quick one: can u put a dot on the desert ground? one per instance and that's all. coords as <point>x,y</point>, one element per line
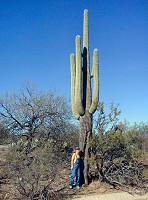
<point>113,196</point>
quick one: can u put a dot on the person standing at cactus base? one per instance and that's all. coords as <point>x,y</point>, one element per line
<point>75,168</point>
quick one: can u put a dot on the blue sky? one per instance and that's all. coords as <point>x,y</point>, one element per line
<point>37,37</point>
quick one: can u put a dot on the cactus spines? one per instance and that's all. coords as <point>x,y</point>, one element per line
<point>83,105</point>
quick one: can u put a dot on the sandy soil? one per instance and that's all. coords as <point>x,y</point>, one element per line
<point>113,196</point>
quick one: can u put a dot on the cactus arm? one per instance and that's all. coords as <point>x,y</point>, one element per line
<point>78,81</point>
<point>95,73</point>
<point>86,63</point>
<point>85,30</point>
<point>73,76</point>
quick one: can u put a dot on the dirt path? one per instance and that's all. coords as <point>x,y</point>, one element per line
<point>113,196</point>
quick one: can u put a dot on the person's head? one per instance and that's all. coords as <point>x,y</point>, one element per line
<point>77,150</point>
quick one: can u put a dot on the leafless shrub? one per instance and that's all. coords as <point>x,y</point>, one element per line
<point>34,170</point>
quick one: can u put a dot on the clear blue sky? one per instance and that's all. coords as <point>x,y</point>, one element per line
<point>37,37</point>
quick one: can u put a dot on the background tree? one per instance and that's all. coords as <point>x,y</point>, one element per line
<point>35,161</point>
<point>30,112</point>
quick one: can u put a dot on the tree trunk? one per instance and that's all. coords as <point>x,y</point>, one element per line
<point>84,137</point>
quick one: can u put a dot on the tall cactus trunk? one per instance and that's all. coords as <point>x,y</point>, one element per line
<point>85,130</point>
<point>84,137</point>
<point>83,106</point>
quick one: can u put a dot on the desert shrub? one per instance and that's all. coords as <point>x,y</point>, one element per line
<point>4,135</point>
<point>33,170</point>
<point>116,152</point>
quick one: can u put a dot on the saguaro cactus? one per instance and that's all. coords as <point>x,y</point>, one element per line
<point>83,105</point>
